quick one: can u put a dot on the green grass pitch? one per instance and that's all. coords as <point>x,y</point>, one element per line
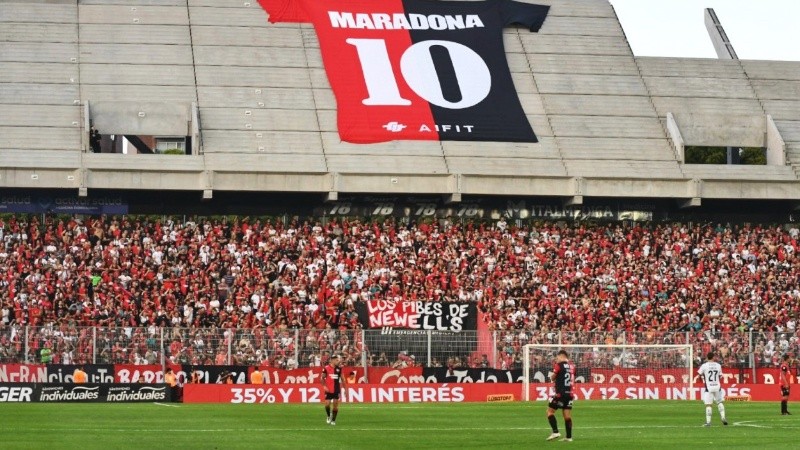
<point>600,424</point>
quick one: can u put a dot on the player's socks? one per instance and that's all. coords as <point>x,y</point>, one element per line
<point>553,423</point>
<point>568,426</point>
<point>721,408</point>
<point>328,411</point>
<point>335,413</point>
<point>784,406</point>
<point>708,414</point>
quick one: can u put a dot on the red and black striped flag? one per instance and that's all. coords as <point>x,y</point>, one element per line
<point>418,69</point>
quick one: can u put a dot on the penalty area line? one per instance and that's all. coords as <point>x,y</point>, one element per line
<point>749,423</point>
<point>166,404</point>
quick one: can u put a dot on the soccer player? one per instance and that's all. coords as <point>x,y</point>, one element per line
<point>332,384</point>
<point>785,386</point>
<point>711,372</point>
<point>563,375</point>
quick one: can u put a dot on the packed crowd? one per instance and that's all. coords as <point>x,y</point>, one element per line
<point>272,277</point>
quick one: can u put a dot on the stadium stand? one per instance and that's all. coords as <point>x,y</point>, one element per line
<point>254,100</point>
<point>594,281</point>
<point>262,115</point>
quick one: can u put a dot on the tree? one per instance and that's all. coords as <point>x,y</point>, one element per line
<point>705,155</point>
<point>748,156</point>
<point>753,156</point>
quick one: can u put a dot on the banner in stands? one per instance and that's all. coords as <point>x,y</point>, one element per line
<point>416,69</point>
<point>591,391</point>
<point>486,208</point>
<point>419,316</point>
<point>767,375</point>
<point>445,375</point>
<point>81,393</point>
<point>129,373</point>
<point>40,373</point>
<point>391,375</point>
<point>62,205</point>
<point>458,393</point>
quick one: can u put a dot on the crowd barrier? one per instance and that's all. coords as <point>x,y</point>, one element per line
<point>386,346</point>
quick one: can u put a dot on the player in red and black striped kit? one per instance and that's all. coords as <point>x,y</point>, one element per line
<point>563,376</point>
<point>332,383</point>
<point>785,386</point>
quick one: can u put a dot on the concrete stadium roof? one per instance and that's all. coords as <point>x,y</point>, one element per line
<point>256,99</point>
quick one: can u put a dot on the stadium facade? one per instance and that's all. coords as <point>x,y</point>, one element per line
<point>253,105</point>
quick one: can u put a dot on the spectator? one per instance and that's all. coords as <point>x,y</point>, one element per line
<point>223,278</point>
<point>94,140</point>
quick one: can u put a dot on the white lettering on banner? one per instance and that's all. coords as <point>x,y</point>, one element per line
<point>144,394</point>
<point>472,74</point>
<point>659,392</point>
<point>150,376</point>
<point>22,374</point>
<point>393,314</point>
<point>406,394</point>
<point>417,315</point>
<point>648,378</point>
<point>274,377</point>
<point>395,376</point>
<point>417,67</point>
<point>382,21</point>
<point>98,375</point>
<point>357,394</point>
<point>58,394</point>
<point>15,394</point>
<point>446,129</point>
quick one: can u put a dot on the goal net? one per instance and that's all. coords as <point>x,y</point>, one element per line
<point>612,369</point>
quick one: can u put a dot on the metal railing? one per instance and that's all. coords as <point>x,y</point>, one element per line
<point>294,348</point>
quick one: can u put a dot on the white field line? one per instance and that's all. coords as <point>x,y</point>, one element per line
<point>340,427</point>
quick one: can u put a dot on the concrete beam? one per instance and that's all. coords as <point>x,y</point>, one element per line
<point>452,198</point>
<point>576,200</point>
<point>332,196</point>
<point>208,194</point>
<point>689,203</point>
<point>776,146</point>
<point>719,38</point>
<point>675,136</point>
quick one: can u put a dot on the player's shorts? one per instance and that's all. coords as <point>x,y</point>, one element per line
<point>332,395</point>
<point>784,391</point>
<point>710,397</point>
<point>561,401</point>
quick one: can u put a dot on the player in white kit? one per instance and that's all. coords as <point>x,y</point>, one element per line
<point>711,373</point>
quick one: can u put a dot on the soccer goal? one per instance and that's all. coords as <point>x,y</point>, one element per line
<point>665,365</point>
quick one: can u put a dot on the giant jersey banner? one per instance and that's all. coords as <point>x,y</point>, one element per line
<point>418,69</point>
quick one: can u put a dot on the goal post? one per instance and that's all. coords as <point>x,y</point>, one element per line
<point>617,363</point>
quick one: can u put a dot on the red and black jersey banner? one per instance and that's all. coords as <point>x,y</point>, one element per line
<point>420,316</point>
<point>418,69</point>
